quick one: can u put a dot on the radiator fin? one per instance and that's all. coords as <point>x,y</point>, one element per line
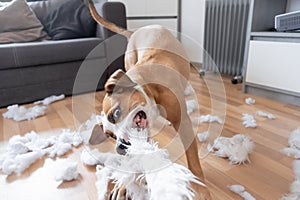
<point>225,35</point>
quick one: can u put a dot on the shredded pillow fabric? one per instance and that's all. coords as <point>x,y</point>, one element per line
<point>18,23</point>
<point>145,171</point>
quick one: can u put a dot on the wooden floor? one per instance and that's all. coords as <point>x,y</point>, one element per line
<point>267,177</point>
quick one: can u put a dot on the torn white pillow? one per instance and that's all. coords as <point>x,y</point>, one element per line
<point>236,149</point>
<point>20,113</point>
<point>145,163</point>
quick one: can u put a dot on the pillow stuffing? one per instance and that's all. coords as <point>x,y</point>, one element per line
<point>18,23</point>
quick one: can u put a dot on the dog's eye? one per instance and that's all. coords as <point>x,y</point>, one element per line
<point>114,115</point>
<point>117,113</point>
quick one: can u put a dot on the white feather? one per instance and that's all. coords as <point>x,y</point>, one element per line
<point>145,171</point>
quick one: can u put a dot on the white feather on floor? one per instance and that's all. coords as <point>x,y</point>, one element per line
<point>20,113</point>
<point>236,148</point>
<point>240,190</point>
<point>50,99</point>
<point>146,172</point>
<point>209,118</point>
<point>264,114</point>
<point>250,101</point>
<point>249,121</point>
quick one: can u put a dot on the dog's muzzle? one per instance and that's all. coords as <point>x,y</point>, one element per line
<point>122,146</point>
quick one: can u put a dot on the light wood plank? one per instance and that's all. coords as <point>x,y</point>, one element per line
<point>267,176</point>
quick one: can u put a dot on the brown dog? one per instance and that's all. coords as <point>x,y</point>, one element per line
<point>153,86</point>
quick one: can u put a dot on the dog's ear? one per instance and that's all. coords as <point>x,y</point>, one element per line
<point>117,81</point>
<point>98,136</point>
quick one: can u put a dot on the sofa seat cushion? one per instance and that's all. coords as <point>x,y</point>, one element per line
<point>49,52</point>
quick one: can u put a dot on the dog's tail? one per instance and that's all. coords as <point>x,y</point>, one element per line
<point>110,26</point>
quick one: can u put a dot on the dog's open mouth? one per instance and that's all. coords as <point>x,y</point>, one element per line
<point>140,121</point>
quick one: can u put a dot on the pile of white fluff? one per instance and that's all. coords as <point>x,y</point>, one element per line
<point>295,187</point>
<point>50,99</point>
<point>236,149</point>
<point>294,143</point>
<point>249,121</point>
<point>264,114</point>
<point>22,151</point>
<point>240,190</point>
<point>250,101</point>
<point>20,113</point>
<point>145,171</point>
<point>67,171</point>
<point>209,118</point>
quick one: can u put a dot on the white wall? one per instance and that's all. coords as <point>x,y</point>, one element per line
<point>192,28</point>
<point>293,5</point>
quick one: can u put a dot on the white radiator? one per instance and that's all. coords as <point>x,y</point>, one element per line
<point>226,23</point>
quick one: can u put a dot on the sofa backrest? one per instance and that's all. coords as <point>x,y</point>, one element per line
<point>67,19</point>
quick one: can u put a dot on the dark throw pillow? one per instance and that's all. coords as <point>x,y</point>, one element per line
<point>65,19</point>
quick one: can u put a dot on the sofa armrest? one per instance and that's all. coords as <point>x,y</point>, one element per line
<point>114,12</point>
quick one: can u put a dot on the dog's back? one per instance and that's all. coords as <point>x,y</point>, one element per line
<point>155,44</point>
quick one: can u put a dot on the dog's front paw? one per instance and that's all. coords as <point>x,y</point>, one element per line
<point>118,193</point>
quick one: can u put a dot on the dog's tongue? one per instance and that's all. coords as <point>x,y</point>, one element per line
<point>140,120</point>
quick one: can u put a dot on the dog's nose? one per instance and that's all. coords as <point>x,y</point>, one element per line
<point>122,146</point>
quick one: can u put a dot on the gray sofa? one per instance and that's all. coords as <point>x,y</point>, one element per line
<point>34,70</point>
